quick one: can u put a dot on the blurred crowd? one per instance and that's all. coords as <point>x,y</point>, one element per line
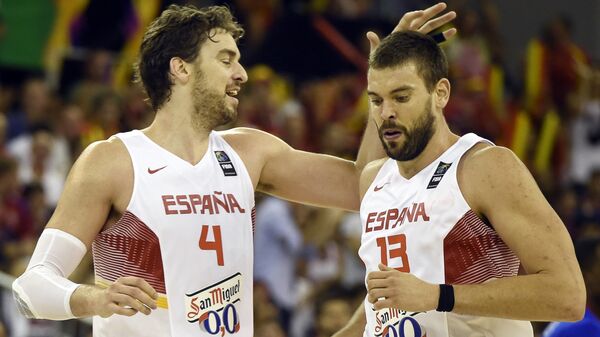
<point>65,82</point>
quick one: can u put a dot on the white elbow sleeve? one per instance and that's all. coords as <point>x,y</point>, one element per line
<point>44,291</point>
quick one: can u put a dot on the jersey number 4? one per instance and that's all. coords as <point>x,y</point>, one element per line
<point>391,247</point>
<point>216,244</point>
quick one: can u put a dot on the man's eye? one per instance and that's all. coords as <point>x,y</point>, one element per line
<point>376,102</point>
<point>402,99</point>
<point>227,62</point>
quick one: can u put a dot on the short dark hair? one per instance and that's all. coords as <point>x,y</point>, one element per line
<point>402,47</point>
<point>179,31</point>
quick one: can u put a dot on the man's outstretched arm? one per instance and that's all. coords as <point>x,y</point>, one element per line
<point>324,180</point>
<point>44,291</point>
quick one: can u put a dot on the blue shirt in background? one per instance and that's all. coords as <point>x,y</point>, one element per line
<point>589,326</point>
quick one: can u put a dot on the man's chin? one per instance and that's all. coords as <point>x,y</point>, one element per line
<point>229,116</point>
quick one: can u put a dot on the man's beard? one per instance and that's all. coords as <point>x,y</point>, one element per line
<point>415,140</point>
<point>210,109</point>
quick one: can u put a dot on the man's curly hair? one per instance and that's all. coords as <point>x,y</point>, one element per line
<point>179,31</point>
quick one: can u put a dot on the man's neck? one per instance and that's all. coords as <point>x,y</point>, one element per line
<point>441,141</point>
<point>173,130</point>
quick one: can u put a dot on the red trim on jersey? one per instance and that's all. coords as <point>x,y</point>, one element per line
<point>129,248</point>
<point>474,253</point>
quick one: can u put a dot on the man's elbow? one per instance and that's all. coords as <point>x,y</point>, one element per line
<point>574,302</point>
<point>574,312</point>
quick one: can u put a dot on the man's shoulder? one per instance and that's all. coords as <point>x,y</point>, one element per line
<point>369,173</point>
<point>484,172</point>
<point>106,157</point>
<point>256,142</point>
<point>104,149</point>
<point>486,159</point>
<point>373,167</point>
<point>244,135</point>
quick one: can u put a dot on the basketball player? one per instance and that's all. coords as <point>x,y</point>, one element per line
<point>448,220</point>
<point>168,210</point>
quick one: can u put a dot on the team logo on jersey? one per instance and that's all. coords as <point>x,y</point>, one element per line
<point>152,171</point>
<point>394,322</point>
<point>438,174</point>
<point>226,164</point>
<point>213,307</point>
<point>378,188</point>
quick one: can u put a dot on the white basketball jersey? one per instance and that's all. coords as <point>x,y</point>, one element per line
<point>188,231</point>
<point>424,226</point>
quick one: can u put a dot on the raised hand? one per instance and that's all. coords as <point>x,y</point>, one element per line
<point>423,21</point>
<point>389,288</point>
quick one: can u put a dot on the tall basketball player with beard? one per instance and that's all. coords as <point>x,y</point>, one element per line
<point>168,210</point>
<point>447,220</point>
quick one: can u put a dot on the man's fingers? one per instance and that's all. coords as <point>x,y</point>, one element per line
<point>434,10</point>
<point>376,275</point>
<point>383,267</point>
<point>127,301</point>
<point>426,15</point>
<point>379,294</point>
<point>373,40</point>
<point>140,283</point>
<point>435,23</point>
<point>119,310</point>
<point>376,283</point>
<point>139,295</point>
<point>381,304</point>
<point>406,21</point>
<point>450,33</point>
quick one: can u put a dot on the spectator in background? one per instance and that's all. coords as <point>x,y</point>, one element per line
<point>7,94</point>
<point>104,117</point>
<point>15,221</point>
<point>551,73</point>
<point>34,107</point>
<point>349,236</point>
<point>477,72</point>
<point>277,245</point>
<point>265,312</point>
<point>551,82</point>
<point>585,130</point>
<point>71,126</point>
<point>43,157</point>
<point>333,311</point>
<point>566,205</point>
<point>37,207</point>
<point>3,131</point>
<point>97,70</point>
<point>270,328</point>
<point>291,125</point>
<point>588,217</point>
<point>137,114</point>
<point>588,255</point>
<point>320,267</point>
<point>261,99</point>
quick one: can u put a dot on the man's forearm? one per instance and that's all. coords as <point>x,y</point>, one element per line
<point>535,297</point>
<point>356,325</point>
<point>370,147</point>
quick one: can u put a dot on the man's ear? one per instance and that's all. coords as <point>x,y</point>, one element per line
<point>179,70</point>
<point>442,93</point>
